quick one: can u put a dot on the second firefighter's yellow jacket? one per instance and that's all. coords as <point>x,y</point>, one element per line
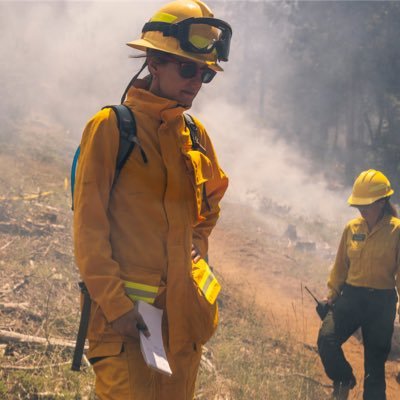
<point>368,258</point>
<point>133,240</point>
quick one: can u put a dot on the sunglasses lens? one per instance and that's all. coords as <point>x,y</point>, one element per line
<point>207,75</point>
<point>188,70</point>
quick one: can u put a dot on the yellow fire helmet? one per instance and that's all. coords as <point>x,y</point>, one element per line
<point>187,28</point>
<point>369,187</point>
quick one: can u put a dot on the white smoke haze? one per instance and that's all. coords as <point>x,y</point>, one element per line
<point>68,59</point>
<point>262,168</point>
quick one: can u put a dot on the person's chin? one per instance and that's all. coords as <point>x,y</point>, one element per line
<point>186,99</point>
<point>186,104</point>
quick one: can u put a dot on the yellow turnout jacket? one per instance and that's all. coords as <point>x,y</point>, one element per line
<point>133,240</point>
<point>368,258</point>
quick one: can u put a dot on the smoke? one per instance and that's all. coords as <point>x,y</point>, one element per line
<point>66,60</point>
<point>267,172</point>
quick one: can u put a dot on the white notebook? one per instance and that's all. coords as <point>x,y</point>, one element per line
<point>152,347</point>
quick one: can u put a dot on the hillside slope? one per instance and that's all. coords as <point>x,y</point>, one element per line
<point>265,346</point>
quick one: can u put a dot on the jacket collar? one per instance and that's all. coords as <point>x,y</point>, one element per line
<point>157,107</point>
<point>380,224</point>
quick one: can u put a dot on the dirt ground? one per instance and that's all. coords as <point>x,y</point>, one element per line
<point>248,251</point>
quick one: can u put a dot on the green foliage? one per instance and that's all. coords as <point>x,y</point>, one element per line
<point>325,74</point>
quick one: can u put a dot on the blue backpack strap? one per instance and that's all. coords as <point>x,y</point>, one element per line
<point>73,173</point>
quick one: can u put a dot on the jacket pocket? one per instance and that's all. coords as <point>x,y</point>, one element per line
<point>201,166</point>
<point>204,315</point>
<point>98,326</point>
<point>100,350</point>
<point>354,253</point>
<point>141,284</point>
<point>201,171</point>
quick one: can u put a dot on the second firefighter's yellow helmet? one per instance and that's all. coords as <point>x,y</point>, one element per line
<point>187,28</point>
<point>370,186</point>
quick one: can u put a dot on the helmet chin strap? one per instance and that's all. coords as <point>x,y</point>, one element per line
<point>133,80</point>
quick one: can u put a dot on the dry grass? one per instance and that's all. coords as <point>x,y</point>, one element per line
<point>250,357</point>
<point>37,266</point>
<point>255,359</point>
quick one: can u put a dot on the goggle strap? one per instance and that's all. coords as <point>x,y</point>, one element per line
<point>166,28</point>
<point>170,29</point>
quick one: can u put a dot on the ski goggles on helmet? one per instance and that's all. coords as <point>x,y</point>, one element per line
<point>189,69</point>
<point>197,35</point>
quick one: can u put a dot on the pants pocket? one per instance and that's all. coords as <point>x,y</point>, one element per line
<point>112,376</point>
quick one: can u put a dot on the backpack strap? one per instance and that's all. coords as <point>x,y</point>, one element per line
<point>194,133</point>
<point>127,136</point>
<point>73,174</point>
<point>83,327</point>
<point>127,141</point>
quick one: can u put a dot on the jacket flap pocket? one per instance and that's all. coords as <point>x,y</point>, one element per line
<point>202,166</point>
<point>104,349</point>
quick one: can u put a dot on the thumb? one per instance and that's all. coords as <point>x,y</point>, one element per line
<point>141,326</point>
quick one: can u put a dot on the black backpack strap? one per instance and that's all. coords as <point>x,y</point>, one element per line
<point>127,141</point>
<point>194,133</point>
<point>82,331</point>
<point>196,145</point>
<point>127,136</point>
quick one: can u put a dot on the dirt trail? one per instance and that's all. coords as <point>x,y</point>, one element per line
<point>255,260</point>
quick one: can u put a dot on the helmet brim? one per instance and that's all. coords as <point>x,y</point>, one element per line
<point>365,201</point>
<point>143,45</point>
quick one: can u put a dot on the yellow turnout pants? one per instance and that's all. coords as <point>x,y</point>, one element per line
<point>125,376</point>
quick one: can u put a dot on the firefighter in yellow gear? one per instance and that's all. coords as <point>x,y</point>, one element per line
<point>362,287</point>
<point>145,236</point>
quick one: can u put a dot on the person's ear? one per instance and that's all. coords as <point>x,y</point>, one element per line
<point>152,66</point>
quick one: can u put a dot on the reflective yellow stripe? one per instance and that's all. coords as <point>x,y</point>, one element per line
<point>163,17</point>
<point>212,291</point>
<point>140,291</point>
<point>206,281</point>
<point>146,299</point>
<point>141,286</point>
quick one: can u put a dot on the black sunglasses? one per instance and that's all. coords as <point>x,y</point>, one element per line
<point>189,69</point>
